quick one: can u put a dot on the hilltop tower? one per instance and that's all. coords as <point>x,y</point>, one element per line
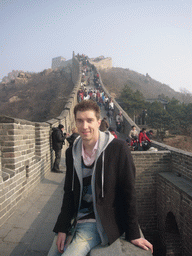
<point>57,62</point>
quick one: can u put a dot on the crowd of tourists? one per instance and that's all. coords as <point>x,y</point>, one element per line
<point>140,141</point>
<point>96,94</point>
<point>92,89</point>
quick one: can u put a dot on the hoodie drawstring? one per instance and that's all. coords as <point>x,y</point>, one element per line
<point>102,178</point>
<point>73,179</point>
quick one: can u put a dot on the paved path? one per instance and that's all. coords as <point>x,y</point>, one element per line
<point>29,230</point>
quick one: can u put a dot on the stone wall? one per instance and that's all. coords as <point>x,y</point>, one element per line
<point>174,196</point>
<point>181,160</point>
<point>157,196</point>
<point>26,153</point>
<point>148,165</point>
<point>105,63</point>
<point>25,158</point>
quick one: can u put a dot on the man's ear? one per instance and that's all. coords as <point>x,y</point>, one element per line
<point>99,122</point>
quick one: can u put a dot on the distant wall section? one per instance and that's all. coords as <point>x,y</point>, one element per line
<point>57,62</point>
<point>101,63</point>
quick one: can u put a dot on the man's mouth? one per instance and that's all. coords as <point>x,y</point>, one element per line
<point>85,133</point>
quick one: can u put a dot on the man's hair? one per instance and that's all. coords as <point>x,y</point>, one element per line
<point>60,126</point>
<point>133,126</point>
<point>85,105</point>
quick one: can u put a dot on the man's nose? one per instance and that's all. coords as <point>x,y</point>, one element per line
<point>85,125</point>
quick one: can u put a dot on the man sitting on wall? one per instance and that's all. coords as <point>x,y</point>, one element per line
<point>99,202</point>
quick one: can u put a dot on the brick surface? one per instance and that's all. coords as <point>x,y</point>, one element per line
<point>29,230</point>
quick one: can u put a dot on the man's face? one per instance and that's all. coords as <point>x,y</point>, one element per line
<point>88,125</point>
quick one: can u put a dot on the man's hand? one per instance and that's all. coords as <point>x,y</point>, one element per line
<point>61,242</point>
<point>143,243</point>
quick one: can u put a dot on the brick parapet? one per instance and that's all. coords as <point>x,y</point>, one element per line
<point>26,153</point>
<point>148,165</point>
<point>181,160</point>
<point>174,196</point>
<point>0,167</point>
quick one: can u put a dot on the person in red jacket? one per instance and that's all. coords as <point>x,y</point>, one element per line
<point>144,141</point>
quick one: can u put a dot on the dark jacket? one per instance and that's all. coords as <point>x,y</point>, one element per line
<point>72,138</point>
<point>104,125</point>
<point>117,208</point>
<point>58,139</point>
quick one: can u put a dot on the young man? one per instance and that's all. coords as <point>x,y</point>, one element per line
<point>99,189</point>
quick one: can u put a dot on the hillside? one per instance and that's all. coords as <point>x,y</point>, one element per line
<point>37,96</point>
<point>42,96</point>
<point>115,78</point>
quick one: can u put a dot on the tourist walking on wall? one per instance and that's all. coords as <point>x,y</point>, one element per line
<point>104,125</point>
<point>58,139</point>
<point>99,192</point>
<point>119,121</point>
<point>111,105</point>
<point>110,116</point>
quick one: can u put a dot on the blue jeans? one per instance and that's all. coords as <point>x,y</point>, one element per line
<point>86,237</point>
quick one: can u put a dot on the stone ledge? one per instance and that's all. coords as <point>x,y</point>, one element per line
<point>178,182</point>
<point>143,153</point>
<point>171,149</point>
<point>7,119</point>
<point>7,174</point>
<point>120,248</point>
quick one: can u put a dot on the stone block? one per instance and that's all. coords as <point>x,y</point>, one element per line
<point>121,248</point>
<point>5,176</point>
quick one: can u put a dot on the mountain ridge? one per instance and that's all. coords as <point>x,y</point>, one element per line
<point>116,78</point>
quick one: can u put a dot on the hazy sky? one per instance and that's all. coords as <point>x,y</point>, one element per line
<point>147,36</point>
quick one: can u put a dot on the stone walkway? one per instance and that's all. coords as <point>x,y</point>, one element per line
<point>29,230</point>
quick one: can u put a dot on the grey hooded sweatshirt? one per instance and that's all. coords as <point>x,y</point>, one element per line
<point>104,139</point>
